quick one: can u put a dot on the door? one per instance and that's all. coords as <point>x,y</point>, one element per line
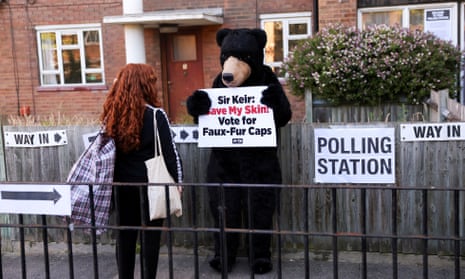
<point>184,72</point>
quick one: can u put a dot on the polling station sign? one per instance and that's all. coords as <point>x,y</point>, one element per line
<point>355,155</point>
<point>450,131</point>
<point>237,119</point>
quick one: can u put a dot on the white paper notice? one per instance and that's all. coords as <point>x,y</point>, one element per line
<point>439,23</point>
<point>237,119</point>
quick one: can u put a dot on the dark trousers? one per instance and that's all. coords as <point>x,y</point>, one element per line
<point>239,203</point>
<point>129,208</point>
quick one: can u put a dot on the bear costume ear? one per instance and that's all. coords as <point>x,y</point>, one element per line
<point>221,34</point>
<point>260,35</point>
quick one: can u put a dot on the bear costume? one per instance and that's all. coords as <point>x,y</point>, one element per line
<point>242,65</point>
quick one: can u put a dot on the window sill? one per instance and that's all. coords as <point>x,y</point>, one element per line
<point>71,88</point>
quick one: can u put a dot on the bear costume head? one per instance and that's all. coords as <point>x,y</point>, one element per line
<point>242,63</point>
<point>241,54</point>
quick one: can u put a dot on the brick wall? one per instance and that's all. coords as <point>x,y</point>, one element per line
<point>20,84</point>
<point>337,11</point>
<point>20,81</point>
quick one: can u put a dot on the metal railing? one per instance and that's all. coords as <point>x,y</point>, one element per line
<point>363,235</point>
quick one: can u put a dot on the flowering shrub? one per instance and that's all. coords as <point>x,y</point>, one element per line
<point>380,64</point>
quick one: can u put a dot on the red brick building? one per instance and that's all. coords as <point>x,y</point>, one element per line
<point>63,57</point>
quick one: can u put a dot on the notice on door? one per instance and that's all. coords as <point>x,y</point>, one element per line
<point>237,119</point>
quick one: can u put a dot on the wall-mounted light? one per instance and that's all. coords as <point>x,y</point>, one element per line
<point>168,28</point>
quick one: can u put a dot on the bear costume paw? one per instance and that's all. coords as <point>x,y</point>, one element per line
<point>271,96</point>
<point>198,103</point>
<point>215,263</point>
<point>262,266</point>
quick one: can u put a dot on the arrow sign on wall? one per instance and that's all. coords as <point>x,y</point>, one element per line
<point>35,199</point>
<point>39,196</point>
<point>185,134</point>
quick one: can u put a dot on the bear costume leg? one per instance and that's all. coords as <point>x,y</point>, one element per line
<point>236,206</point>
<point>263,204</point>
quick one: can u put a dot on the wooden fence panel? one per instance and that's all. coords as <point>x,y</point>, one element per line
<point>419,164</point>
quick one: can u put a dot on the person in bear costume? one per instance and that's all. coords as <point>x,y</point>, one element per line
<point>242,65</point>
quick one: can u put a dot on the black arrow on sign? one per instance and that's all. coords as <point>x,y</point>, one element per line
<point>184,134</point>
<point>57,137</point>
<point>43,196</point>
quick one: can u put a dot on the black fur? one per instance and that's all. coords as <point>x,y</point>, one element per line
<point>257,165</point>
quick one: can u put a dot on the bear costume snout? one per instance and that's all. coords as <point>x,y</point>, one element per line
<point>235,72</point>
<point>228,77</point>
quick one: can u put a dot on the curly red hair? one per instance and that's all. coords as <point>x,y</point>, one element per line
<point>123,110</point>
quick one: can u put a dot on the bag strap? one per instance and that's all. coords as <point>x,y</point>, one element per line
<point>157,142</point>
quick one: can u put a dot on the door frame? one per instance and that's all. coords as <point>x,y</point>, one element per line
<point>164,52</point>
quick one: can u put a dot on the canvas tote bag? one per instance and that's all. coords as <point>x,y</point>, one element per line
<point>158,173</point>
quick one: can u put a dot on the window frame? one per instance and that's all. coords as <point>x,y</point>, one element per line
<point>74,29</point>
<point>287,19</point>
<point>406,14</point>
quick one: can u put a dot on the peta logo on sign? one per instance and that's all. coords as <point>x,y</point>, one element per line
<point>36,139</point>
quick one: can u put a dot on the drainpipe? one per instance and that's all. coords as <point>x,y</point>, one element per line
<point>315,17</point>
<point>460,81</point>
<point>134,33</point>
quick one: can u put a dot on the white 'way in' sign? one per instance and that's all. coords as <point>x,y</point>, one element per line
<point>35,139</point>
<point>432,131</point>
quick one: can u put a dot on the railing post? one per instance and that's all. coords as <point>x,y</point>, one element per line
<point>334,223</point>
<point>394,232</point>
<point>363,209</point>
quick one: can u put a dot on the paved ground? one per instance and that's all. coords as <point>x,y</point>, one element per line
<point>321,266</point>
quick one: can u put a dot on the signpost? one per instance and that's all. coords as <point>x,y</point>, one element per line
<point>355,155</point>
<point>35,199</point>
<point>36,139</point>
<point>432,131</point>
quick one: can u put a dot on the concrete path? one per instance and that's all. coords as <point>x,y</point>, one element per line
<point>321,265</point>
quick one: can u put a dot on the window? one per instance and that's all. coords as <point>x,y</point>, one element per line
<point>70,55</point>
<point>283,33</point>
<point>184,48</point>
<point>439,19</point>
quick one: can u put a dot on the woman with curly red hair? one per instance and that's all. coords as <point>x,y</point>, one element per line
<point>128,119</point>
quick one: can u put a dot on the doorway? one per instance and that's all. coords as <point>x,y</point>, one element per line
<point>184,72</point>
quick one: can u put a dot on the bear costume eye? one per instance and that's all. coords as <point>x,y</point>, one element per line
<point>246,57</point>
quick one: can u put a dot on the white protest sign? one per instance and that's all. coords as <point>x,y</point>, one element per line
<point>237,119</point>
<point>36,139</point>
<point>432,131</point>
<point>355,155</point>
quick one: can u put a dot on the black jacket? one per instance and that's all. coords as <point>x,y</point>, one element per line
<point>130,167</point>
